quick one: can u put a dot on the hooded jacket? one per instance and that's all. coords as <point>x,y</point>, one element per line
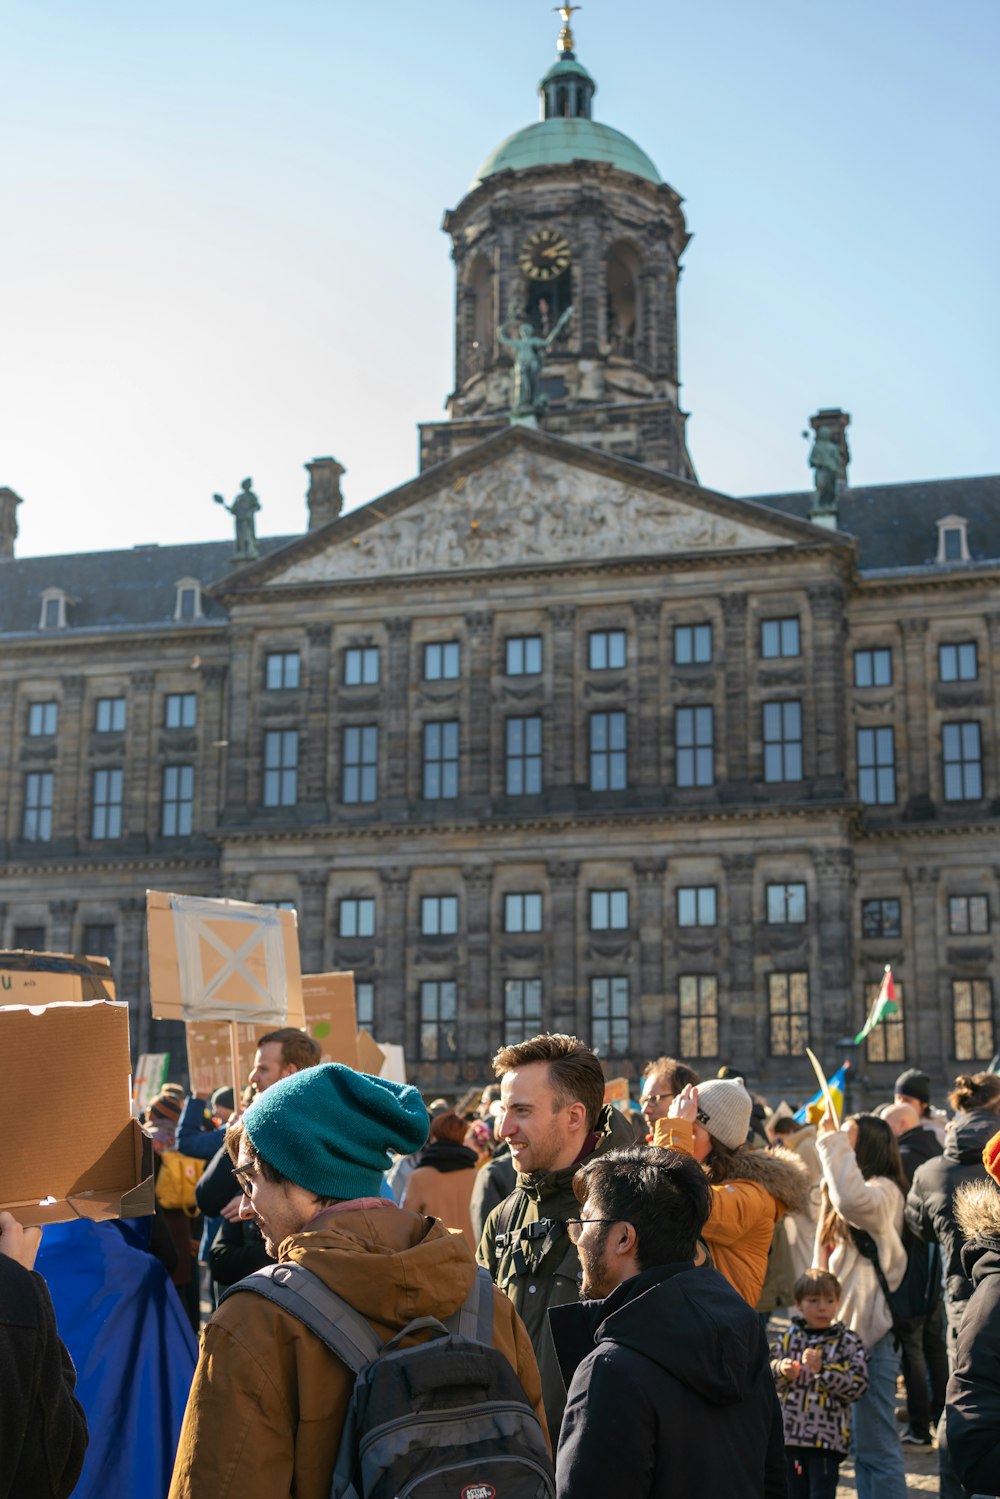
<point>441,1186</point>
<point>973,1401</point>
<point>816,1408</point>
<point>268,1402</point>
<point>670,1393</point>
<point>930,1204</point>
<point>745,1209</point>
<point>545,1270</point>
<point>875,1205</point>
<point>916,1146</point>
<point>494,1182</point>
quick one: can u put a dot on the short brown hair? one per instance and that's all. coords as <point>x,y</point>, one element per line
<point>978,1090</point>
<point>574,1071</point>
<point>297,1049</point>
<point>815,1283</point>
<point>449,1126</point>
<point>678,1074</point>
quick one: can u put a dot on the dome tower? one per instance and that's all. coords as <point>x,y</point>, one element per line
<point>568,212</point>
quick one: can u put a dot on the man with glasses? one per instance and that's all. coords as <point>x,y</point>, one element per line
<point>669,1386</point>
<point>662,1080</point>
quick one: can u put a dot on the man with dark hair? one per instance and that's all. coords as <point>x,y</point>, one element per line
<point>269,1399</point>
<point>662,1080</point>
<point>914,1087</point>
<point>669,1386</point>
<point>554,1117</point>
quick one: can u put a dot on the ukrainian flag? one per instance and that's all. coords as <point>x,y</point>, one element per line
<point>813,1111</point>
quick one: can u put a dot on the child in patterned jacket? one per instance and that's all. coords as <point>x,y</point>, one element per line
<point>819,1367</point>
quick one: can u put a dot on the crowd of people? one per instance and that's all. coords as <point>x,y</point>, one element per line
<point>522,1293</point>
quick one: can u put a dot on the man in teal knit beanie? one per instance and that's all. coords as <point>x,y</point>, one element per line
<point>269,1399</point>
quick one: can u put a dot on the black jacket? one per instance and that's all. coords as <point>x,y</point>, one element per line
<point>930,1205</point>
<point>915,1147</point>
<point>217,1184</point>
<point>494,1181</point>
<point>669,1393</point>
<point>43,1431</point>
<point>973,1403</point>
<point>446,1155</point>
<point>237,1251</point>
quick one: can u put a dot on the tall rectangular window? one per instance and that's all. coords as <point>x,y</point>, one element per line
<point>696,905</point>
<point>109,715</point>
<point>873,668</point>
<point>522,1010</point>
<point>972,1015</point>
<point>180,710</point>
<point>968,915</point>
<point>698,997</point>
<point>523,770</point>
<point>522,911</point>
<point>958,662</point>
<point>887,1042</point>
<point>43,718</point>
<point>877,766</point>
<point>786,903</point>
<point>357,916</point>
<point>788,1013</point>
<point>439,915</point>
<point>361,666</point>
<point>36,825</point>
<point>692,645</point>
<point>783,741</point>
<point>608,650</point>
<point>694,733</point>
<point>282,671</point>
<point>442,660</point>
<point>99,940</point>
<point>524,655</point>
<point>106,804</point>
<point>609,910</point>
<point>609,1016</point>
<point>281,767</point>
<point>178,801</point>
<point>962,755</point>
<point>360,763</point>
<point>441,760</point>
<point>608,751</point>
<point>779,637</point>
<point>438,1020</point>
<point>364,1004</point>
<point>881,918</point>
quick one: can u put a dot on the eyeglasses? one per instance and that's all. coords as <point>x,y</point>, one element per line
<point>657,1098</point>
<point>575,1226</point>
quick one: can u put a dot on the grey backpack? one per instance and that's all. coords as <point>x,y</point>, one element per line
<point>441,1419</point>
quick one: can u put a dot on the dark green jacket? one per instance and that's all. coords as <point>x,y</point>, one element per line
<point>543,1269</point>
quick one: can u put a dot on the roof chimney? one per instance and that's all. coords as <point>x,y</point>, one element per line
<point>324,499</point>
<point>9,502</point>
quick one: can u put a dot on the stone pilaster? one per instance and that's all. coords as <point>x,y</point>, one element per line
<point>70,792</point>
<point>132,973</point>
<point>141,792</point>
<point>478,1026</point>
<point>214,747</point>
<point>479,732</point>
<point>926,1002</point>
<point>830,990</point>
<point>398,1020</point>
<point>916,697</point>
<point>743,1028</point>
<point>311,909</point>
<point>651,1014</point>
<point>395,756</point>
<point>61,934</point>
<point>735,742</point>
<point>240,726</point>
<point>313,769</point>
<point>568,1010</point>
<point>646,756</point>
<point>827,698</point>
<point>561,775</point>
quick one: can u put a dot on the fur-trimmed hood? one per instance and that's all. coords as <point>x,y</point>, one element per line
<point>977,1213</point>
<point>778,1171</point>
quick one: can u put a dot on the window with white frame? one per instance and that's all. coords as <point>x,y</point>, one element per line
<point>188,603</point>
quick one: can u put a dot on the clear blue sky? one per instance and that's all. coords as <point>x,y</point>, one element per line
<point>220,250</point>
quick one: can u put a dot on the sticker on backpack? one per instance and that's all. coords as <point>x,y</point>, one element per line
<point>478,1491</point>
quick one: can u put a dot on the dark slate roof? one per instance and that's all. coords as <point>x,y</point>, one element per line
<point>895,524</point>
<point>124,590</point>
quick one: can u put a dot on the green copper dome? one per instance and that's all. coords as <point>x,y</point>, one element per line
<point>559,141</point>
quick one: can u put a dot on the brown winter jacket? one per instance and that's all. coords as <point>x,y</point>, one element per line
<point>745,1209</point>
<point>445,1195</point>
<point>269,1400</point>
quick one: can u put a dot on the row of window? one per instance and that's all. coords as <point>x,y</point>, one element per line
<point>107,799</point>
<point>961,763</point>
<point>180,711</point>
<point>958,661</point>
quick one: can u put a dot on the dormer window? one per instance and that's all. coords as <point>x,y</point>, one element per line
<point>188,605</point>
<point>953,539</point>
<point>53,615</point>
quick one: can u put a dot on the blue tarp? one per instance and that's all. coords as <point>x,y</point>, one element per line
<point>134,1351</point>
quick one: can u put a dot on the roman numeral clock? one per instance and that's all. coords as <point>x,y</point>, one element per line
<point>545,255</point>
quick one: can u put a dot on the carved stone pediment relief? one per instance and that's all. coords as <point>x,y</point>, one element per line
<point>527,508</point>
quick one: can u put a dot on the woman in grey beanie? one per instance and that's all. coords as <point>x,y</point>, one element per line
<point>752,1190</point>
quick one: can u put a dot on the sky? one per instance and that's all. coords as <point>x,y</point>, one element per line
<point>221,255</point>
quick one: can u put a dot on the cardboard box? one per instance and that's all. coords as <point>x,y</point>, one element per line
<point>371,1057</point>
<point>328,1001</point>
<point>70,1146</point>
<point>45,978</point>
<point>223,960</point>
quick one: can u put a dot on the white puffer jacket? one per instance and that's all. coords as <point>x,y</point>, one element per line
<point>876,1206</point>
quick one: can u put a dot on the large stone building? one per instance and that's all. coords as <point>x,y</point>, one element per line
<point>551,736</point>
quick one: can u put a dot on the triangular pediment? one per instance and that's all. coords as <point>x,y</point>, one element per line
<point>525,499</point>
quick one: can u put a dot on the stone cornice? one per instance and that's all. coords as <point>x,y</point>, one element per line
<point>124,865</point>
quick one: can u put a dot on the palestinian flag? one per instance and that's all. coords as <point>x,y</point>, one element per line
<point>885,1004</point>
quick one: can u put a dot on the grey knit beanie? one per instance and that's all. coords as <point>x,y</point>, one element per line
<point>724,1107</point>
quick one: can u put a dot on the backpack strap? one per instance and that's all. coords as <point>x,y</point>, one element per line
<point>474,1318</point>
<point>344,1331</point>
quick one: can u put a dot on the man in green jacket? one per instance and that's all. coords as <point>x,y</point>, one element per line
<point>554,1119</point>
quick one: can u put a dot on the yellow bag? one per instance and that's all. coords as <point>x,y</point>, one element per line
<point>178,1176</point>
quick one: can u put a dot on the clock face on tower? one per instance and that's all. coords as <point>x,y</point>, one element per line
<point>544,255</point>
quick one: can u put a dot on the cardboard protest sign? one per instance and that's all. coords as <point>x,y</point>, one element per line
<point>328,1001</point>
<point>616,1093</point>
<point>150,1075</point>
<point>371,1057</point>
<point>45,978</point>
<point>394,1066</point>
<point>70,1155</point>
<point>222,960</point>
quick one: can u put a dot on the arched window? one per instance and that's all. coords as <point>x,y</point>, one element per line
<point>623,271</point>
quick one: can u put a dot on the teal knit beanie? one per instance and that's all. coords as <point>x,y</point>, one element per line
<point>330,1129</point>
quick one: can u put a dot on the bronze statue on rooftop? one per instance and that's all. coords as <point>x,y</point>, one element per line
<point>243,509</point>
<point>527,351</point>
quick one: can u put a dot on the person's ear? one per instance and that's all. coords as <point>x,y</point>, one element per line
<point>577,1115</point>
<point>626,1239</point>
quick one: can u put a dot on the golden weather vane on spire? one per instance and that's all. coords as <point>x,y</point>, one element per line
<point>565,42</point>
